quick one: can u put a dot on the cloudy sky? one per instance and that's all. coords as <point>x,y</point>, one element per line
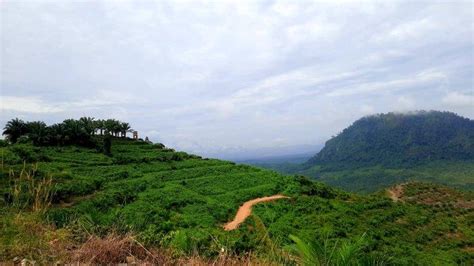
<point>222,78</point>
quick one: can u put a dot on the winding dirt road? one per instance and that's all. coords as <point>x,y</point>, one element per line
<point>246,209</point>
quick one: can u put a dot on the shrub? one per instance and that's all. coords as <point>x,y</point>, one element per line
<point>25,154</point>
<point>3,143</point>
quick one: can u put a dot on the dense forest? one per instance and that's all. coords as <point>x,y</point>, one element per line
<point>142,201</point>
<point>378,151</point>
<point>399,140</point>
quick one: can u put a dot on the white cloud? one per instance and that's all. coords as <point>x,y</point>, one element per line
<point>37,105</point>
<point>405,103</point>
<point>422,79</point>
<point>413,30</point>
<point>366,109</point>
<point>459,99</point>
<point>229,75</point>
<point>28,105</point>
<point>317,31</point>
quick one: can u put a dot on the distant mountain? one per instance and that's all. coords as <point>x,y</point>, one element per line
<point>287,164</point>
<point>378,151</point>
<point>398,140</point>
<point>264,153</point>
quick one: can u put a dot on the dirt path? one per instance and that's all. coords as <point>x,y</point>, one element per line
<point>396,193</point>
<point>246,209</point>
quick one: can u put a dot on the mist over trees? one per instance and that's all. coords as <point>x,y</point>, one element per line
<point>70,131</point>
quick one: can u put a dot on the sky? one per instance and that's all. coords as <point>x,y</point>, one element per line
<point>232,79</point>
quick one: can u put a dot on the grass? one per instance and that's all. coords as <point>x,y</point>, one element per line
<point>175,204</point>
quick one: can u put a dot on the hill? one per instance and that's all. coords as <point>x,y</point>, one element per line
<point>76,203</point>
<point>378,151</point>
<point>399,140</point>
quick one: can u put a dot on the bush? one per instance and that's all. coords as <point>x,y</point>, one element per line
<point>24,153</point>
<point>3,143</point>
<point>159,146</point>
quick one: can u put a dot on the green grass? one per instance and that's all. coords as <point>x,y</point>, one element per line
<point>180,201</point>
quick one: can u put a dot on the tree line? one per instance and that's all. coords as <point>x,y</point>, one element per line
<point>70,131</point>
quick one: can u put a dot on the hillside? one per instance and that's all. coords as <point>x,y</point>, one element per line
<point>378,151</point>
<point>166,200</point>
<point>399,140</point>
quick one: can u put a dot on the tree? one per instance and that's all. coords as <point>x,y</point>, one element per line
<point>111,126</point>
<point>14,129</point>
<point>89,125</point>
<point>100,125</point>
<point>124,128</point>
<point>38,132</point>
<point>74,132</point>
<point>117,128</point>
<point>70,131</point>
<point>57,134</point>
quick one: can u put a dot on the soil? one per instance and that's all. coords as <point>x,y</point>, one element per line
<point>246,209</point>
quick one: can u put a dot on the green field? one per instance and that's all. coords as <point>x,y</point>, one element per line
<point>180,202</point>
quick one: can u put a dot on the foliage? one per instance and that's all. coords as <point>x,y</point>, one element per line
<point>28,190</point>
<point>325,253</point>
<point>174,200</point>
<point>378,151</point>
<point>14,129</point>
<point>399,140</point>
<point>69,132</point>
<point>107,146</point>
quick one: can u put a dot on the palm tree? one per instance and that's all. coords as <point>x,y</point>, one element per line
<point>57,134</point>
<point>110,126</point>
<point>325,253</point>
<point>124,128</point>
<point>38,132</point>
<point>74,131</point>
<point>89,124</point>
<point>100,125</point>
<point>117,128</point>
<point>14,129</point>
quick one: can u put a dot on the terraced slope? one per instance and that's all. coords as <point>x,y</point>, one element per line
<point>147,188</point>
<point>181,202</point>
<point>151,186</point>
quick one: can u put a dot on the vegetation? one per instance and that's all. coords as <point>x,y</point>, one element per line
<point>399,140</point>
<point>174,204</point>
<point>69,132</point>
<point>381,150</point>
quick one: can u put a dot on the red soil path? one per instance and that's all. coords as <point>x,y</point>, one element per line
<point>246,209</point>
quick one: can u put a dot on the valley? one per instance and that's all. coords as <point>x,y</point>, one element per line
<point>178,202</point>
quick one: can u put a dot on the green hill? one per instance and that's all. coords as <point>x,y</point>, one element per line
<point>178,202</point>
<point>381,150</point>
<point>400,140</point>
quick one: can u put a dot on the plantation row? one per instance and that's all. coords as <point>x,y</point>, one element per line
<point>70,131</point>
<point>180,201</point>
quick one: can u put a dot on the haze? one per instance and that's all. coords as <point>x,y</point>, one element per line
<point>234,79</point>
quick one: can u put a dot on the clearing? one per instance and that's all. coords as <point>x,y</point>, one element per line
<point>246,209</point>
<point>396,193</point>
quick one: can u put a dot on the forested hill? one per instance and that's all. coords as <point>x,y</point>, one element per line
<point>396,139</point>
